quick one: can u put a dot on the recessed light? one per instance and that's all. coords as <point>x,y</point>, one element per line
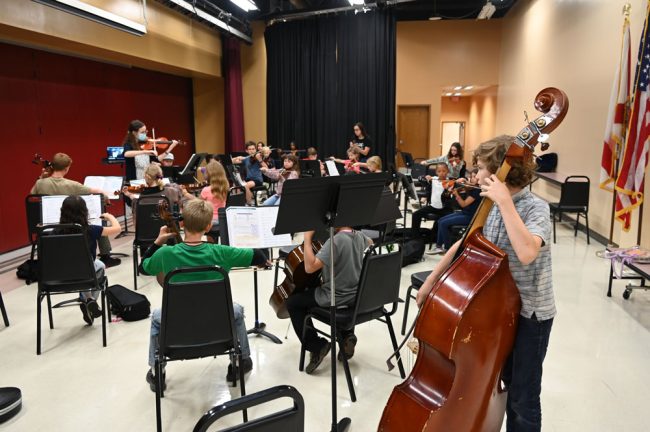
<point>448,94</point>
<point>435,18</point>
<point>469,87</point>
<point>457,94</point>
<point>458,87</point>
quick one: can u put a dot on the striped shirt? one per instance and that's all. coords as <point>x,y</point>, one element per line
<point>534,280</point>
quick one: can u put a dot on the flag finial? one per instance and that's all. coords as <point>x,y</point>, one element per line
<point>626,9</point>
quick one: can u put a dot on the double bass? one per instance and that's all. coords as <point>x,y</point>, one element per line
<point>467,325</point>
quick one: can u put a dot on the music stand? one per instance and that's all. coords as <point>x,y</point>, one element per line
<point>122,162</point>
<point>314,203</point>
<point>309,168</point>
<point>259,328</point>
<point>409,191</point>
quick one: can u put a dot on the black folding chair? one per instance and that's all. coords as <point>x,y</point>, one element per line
<point>574,198</point>
<point>378,286</point>
<point>236,196</point>
<point>65,266</point>
<point>34,216</point>
<point>5,318</point>
<point>288,420</point>
<point>197,320</point>
<point>147,227</point>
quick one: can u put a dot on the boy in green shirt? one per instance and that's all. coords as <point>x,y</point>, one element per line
<point>160,259</point>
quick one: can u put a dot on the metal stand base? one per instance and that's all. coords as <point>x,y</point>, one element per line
<point>342,425</point>
<point>259,328</point>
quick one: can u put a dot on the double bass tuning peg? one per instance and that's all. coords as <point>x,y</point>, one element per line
<point>543,141</point>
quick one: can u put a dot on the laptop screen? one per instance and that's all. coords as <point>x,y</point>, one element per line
<point>115,153</point>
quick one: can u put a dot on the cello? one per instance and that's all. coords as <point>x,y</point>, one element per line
<point>466,326</point>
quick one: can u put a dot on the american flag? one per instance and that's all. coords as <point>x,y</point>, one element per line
<point>630,179</point>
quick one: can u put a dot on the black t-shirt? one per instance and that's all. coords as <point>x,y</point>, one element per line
<point>130,162</point>
<point>363,143</point>
<point>471,209</point>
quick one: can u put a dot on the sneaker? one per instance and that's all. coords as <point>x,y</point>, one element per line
<point>349,343</point>
<point>88,318</point>
<point>109,261</point>
<point>93,308</point>
<point>315,359</point>
<point>151,379</point>
<point>436,251</point>
<point>233,372</point>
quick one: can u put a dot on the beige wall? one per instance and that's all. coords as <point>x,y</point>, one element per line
<point>573,45</point>
<point>482,120</point>
<point>209,118</point>
<point>435,54</point>
<point>253,65</point>
<point>173,44</point>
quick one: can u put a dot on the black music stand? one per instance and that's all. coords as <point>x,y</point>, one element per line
<point>122,162</point>
<point>409,192</point>
<point>315,203</point>
<point>259,328</point>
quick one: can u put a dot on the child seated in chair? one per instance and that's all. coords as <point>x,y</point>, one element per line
<point>468,202</point>
<point>160,259</point>
<point>349,246</point>
<point>442,171</point>
<point>75,211</point>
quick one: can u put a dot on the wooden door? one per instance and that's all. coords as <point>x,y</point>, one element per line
<point>413,127</point>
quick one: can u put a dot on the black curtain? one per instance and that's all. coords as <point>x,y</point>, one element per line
<point>326,73</point>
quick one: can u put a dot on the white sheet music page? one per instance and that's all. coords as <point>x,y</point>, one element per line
<point>51,208</point>
<point>331,168</point>
<point>108,184</point>
<point>252,227</point>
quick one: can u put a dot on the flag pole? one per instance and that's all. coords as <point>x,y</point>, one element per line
<point>619,146</point>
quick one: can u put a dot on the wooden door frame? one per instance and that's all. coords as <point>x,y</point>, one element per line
<point>397,111</point>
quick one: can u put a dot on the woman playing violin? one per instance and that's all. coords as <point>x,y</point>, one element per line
<point>137,153</point>
<point>453,159</point>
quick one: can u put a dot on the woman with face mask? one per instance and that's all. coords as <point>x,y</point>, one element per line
<point>136,158</point>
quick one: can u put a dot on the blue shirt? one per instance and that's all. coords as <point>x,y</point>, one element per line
<point>253,171</point>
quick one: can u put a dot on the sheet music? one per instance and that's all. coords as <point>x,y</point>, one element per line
<point>51,208</point>
<point>108,184</point>
<point>331,168</point>
<point>141,182</point>
<point>252,227</point>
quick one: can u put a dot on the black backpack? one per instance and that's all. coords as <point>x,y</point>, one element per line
<point>28,271</point>
<point>412,251</point>
<point>127,304</point>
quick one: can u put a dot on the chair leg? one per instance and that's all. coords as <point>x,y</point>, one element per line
<point>135,267</point>
<point>346,369</point>
<point>587,225</point>
<point>554,237</point>
<point>277,269</point>
<point>38,323</point>
<point>159,393</point>
<point>49,311</point>
<point>393,340</point>
<point>4,311</point>
<point>407,302</point>
<point>242,384</point>
<point>301,365</point>
<point>103,295</point>
<point>575,228</point>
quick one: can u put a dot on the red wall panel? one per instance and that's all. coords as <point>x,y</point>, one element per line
<point>53,103</point>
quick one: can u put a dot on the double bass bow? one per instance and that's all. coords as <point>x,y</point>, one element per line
<point>467,325</point>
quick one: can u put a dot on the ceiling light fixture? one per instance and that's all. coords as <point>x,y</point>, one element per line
<point>458,88</point>
<point>246,5</point>
<point>101,16</point>
<point>469,87</point>
<point>356,2</point>
<point>448,94</point>
<point>457,94</point>
<point>487,11</point>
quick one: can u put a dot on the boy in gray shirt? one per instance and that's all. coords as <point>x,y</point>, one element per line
<point>349,246</point>
<point>519,223</point>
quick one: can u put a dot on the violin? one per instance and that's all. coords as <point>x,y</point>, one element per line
<point>296,279</point>
<point>45,164</point>
<point>193,187</point>
<point>467,325</point>
<point>161,143</point>
<point>168,218</point>
<point>133,189</point>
